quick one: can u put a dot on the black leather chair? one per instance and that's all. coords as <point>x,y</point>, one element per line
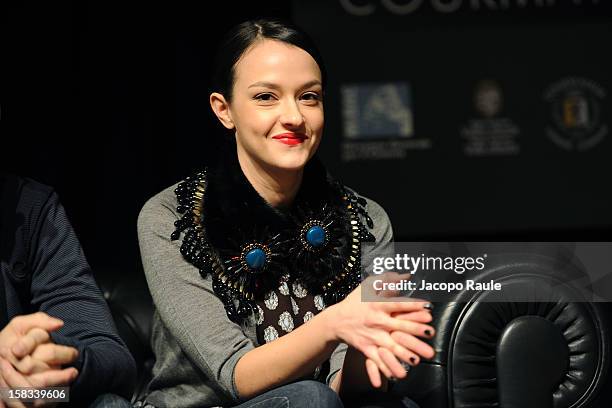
<point>132,308</point>
<point>516,354</point>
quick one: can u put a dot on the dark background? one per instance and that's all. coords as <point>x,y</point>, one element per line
<point>108,102</point>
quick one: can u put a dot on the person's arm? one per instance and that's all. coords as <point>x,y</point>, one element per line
<point>385,332</point>
<point>347,359</point>
<point>287,358</point>
<point>63,286</point>
<point>186,303</point>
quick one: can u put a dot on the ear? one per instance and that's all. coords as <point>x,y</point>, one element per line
<point>221,109</point>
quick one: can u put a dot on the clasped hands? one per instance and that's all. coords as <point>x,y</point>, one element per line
<point>30,359</point>
<point>385,332</point>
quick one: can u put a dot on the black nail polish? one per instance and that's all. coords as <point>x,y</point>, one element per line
<point>428,333</point>
<point>412,360</point>
<point>428,306</point>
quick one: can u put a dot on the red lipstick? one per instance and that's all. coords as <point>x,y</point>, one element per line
<point>290,138</point>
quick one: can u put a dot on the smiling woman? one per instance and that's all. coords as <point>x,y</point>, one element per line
<point>276,110</point>
<point>254,262</point>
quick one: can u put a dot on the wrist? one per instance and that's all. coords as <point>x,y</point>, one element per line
<point>329,321</point>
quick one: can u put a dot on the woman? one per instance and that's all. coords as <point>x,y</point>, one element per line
<point>254,263</point>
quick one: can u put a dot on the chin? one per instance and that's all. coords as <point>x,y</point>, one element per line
<point>290,166</point>
<point>292,163</point>
<point>294,159</point>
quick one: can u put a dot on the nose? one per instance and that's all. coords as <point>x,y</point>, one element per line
<point>291,116</point>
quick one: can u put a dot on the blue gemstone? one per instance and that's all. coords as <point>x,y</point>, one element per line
<point>255,258</point>
<point>315,236</point>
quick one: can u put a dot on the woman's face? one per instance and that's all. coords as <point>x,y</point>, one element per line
<point>277,105</point>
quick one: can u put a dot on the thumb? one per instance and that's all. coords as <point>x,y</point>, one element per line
<point>25,323</point>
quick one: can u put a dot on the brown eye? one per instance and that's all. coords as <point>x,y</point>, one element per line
<point>311,96</point>
<point>264,97</point>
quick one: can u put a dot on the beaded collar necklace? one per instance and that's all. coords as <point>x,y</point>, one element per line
<point>249,248</point>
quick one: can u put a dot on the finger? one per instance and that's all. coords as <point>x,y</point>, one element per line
<point>26,365</point>
<point>29,365</point>
<point>410,357</point>
<point>371,352</point>
<point>4,385</point>
<point>54,378</point>
<point>383,339</point>
<point>397,370</point>
<point>22,324</point>
<point>407,326</point>
<point>395,277</point>
<point>9,403</point>
<point>387,278</point>
<point>12,379</point>
<point>413,344</point>
<point>386,293</point>
<point>395,305</point>
<point>26,344</point>
<point>423,316</point>
<point>44,403</point>
<point>5,353</point>
<point>373,373</point>
<point>55,354</point>
<point>11,376</point>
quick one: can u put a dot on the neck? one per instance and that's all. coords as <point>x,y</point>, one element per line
<point>278,187</point>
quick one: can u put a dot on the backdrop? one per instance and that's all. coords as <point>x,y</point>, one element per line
<point>463,119</point>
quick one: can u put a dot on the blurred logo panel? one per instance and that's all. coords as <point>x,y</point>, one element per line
<point>575,107</point>
<point>378,121</point>
<point>377,110</point>
<point>489,132</point>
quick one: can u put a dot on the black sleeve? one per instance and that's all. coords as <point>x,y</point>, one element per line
<point>63,286</point>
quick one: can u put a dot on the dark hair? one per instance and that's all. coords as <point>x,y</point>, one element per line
<point>243,36</point>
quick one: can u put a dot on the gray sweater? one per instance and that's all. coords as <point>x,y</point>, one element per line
<point>195,344</point>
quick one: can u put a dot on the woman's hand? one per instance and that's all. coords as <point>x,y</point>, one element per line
<point>385,332</point>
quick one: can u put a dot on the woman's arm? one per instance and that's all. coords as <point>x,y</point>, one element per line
<point>367,326</point>
<point>284,364</point>
<point>287,358</point>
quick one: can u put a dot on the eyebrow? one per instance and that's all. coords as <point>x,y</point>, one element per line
<point>265,84</point>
